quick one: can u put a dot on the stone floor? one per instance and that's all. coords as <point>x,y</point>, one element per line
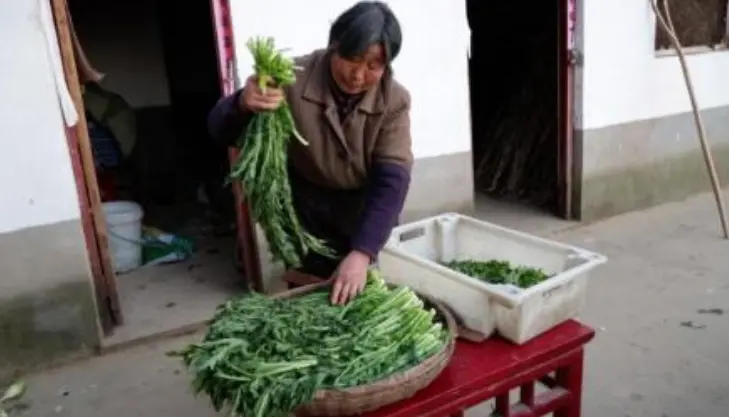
<point>661,307</point>
<point>173,298</point>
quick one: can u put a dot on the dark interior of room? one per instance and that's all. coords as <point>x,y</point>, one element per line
<point>173,157</point>
<point>514,100</point>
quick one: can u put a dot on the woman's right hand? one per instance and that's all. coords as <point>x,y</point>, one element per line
<point>254,100</point>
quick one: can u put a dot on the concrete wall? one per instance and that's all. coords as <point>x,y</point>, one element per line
<point>636,141</point>
<point>433,66</point>
<point>46,305</point>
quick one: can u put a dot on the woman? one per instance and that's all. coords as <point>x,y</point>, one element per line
<point>349,184</point>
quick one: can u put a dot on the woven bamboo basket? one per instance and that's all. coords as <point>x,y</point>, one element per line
<point>395,388</point>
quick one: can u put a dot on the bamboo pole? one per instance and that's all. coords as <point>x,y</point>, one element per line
<point>664,19</point>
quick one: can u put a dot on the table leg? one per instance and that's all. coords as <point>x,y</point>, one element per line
<point>570,378</point>
<point>503,405</point>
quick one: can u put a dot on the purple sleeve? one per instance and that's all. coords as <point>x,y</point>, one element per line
<point>225,121</point>
<point>384,202</point>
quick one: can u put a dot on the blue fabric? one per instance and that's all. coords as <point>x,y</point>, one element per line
<point>104,146</point>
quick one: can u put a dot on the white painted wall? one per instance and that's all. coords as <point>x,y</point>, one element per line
<point>624,81</point>
<point>433,63</point>
<point>37,184</point>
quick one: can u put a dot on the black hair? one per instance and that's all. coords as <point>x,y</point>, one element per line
<point>362,25</point>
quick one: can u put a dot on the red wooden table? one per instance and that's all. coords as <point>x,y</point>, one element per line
<point>482,371</point>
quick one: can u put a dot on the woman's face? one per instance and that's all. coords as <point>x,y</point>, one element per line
<point>359,74</point>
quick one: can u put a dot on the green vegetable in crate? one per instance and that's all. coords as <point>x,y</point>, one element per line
<point>499,272</point>
<point>265,357</point>
<point>261,167</point>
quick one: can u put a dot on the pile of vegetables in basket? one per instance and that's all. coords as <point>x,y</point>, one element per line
<point>264,357</point>
<point>261,167</point>
<point>499,272</point>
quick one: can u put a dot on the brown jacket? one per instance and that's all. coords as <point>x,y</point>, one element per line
<point>340,155</point>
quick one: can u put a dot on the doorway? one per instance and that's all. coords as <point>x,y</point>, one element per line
<point>147,125</point>
<point>520,105</point>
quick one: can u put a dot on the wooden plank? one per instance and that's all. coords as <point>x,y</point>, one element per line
<point>87,225</point>
<point>298,279</point>
<point>247,243</point>
<point>103,275</point>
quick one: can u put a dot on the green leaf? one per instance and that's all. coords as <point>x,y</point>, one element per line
<point>14,392</point>
<point>266,357</point>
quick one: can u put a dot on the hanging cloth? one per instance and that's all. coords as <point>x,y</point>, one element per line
<point>70,115</point>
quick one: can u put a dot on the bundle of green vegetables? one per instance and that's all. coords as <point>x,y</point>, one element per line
<point>264,357</point>
<point>499,272</point>
<point>261,167</point>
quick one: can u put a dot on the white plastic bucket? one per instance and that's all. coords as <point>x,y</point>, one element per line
<point>124,228</point>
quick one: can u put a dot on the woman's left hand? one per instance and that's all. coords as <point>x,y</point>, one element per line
<point>350,277</point>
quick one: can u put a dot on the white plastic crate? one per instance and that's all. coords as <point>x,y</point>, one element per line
<point>415,251</point>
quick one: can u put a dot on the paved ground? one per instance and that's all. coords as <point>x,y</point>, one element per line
<point>661,305</point>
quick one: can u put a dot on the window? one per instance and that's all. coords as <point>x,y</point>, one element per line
<point>698,24</point>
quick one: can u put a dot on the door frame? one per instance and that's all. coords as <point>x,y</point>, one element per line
<point>566,23</point>
<point>82,161</point>
<point>247,244</point>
